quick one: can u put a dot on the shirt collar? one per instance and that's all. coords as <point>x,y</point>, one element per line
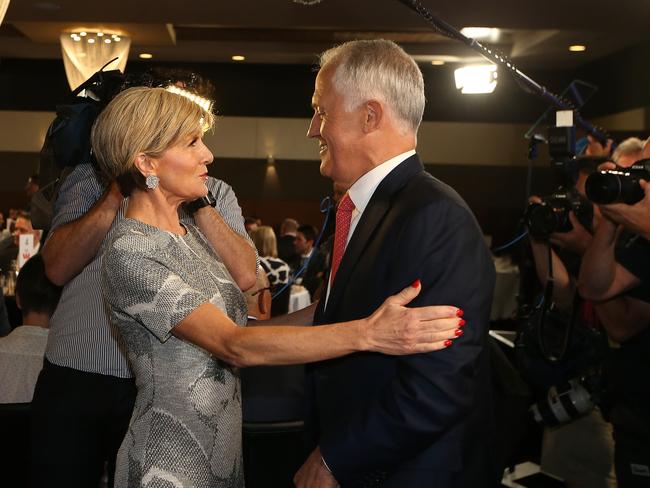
<point>362,189</point>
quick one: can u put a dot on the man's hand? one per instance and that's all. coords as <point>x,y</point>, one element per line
<point>595,148</point>
<point>314,474</point>
<point>633,217</point>
<point>576,240</point>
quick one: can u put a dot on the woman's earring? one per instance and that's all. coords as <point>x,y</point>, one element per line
<point>152,181</point>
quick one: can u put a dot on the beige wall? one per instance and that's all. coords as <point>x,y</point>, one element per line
<point>284,138</point>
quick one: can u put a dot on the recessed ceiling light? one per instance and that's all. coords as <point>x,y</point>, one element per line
<point>107,41</point>
<point>47,6</point>
<point>91,40</point>
<point>82,34</point>
<point>238,57</point>
<point>145,56</point>
<point>100,34</point>
<point>437,62</point>
<point>577,48</point>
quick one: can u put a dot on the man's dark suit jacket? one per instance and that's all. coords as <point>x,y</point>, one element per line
<point>419,420</point>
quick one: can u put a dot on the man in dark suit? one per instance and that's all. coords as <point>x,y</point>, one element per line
<point>309,256</point>
<point>424,420</point>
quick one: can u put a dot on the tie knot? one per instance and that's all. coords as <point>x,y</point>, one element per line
<point>346,204</point>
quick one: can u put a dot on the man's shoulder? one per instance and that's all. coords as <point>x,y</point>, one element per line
<point>423,190</point>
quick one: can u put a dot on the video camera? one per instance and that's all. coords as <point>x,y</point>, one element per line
<point>620,185</point>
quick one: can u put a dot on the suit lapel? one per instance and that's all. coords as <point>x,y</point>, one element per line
<point>372,216</point>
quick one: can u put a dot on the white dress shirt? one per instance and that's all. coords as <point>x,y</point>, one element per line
<point>362,190</point>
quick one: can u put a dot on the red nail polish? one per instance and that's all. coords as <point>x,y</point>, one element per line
<point>458,333</point>
<point>459,313</point>
<point>416,283</point>
<point>461,322</point>
<point>448,342</point>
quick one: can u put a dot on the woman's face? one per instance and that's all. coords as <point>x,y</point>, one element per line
<point>183,170</point>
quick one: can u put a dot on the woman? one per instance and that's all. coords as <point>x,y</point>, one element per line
<point>267,248</point>
<point>180,313</point>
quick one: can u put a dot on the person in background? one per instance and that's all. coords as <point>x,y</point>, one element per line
<point>286,250</point>
<point>309,258</point>
<point>21,352</point>
<point>275,268</point>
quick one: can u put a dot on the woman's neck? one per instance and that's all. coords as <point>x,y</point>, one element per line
<point>152,208</point>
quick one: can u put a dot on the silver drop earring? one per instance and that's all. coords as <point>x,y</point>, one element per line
<point>152,181</point>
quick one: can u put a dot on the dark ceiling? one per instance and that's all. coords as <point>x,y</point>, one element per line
<point>535,34</point>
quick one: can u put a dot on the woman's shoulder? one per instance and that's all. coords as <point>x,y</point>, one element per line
<point>134,237</point>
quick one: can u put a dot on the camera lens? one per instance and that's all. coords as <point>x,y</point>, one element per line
<point>607,187</point>
<point>540,220</point>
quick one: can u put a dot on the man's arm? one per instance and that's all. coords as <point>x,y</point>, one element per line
<point>623,317</point>
<point>234,250</point>
<point>635,218</point>
<point>71,246</point>
<point>224,228</point>
<point>563,285</point>
<point>601,277</point>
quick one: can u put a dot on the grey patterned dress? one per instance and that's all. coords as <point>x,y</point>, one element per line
<point>186,426</point>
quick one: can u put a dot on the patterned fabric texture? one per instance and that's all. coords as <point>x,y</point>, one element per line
<point>276,270</point>
<point>186,425</point>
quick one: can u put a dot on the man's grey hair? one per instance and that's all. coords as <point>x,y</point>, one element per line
<point>378,70</point>
<point>630,146</point>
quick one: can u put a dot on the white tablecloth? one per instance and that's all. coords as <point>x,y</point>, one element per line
<point>299,298</point>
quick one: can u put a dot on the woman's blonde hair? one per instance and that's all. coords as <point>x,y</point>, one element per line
<point>265,241</point>
<point>143,120</point>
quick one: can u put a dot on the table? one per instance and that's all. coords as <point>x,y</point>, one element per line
<point>299,298</point>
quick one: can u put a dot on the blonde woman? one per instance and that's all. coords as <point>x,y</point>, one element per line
<point>182,316</point>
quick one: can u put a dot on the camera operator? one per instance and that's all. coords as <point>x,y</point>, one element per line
<point>581,451</point>
<point>608,272</point>
<point>85,393</point>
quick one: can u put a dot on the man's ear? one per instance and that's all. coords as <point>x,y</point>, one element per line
<point>374,113</point>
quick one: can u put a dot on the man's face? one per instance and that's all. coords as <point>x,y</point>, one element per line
<point>301,244</point>
<point>23,226</point>
<point>339,132</point>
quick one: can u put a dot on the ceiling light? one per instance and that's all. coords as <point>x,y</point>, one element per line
<point>145,56</point>
<point>476,79</point>
<point>238,57</point>
<point>489,33</point>
<point>437,62</point>
<point>82,59</point>
<point>577,48</point>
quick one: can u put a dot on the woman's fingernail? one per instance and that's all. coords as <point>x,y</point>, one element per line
<point>459,313</point>
<point>461,322</point>
<point>458,333</point>
<point>448,342</point>
<point>416,283</point>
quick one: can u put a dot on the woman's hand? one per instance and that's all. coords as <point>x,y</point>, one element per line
<point>395,329</point>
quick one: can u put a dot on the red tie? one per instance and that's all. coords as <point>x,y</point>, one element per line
<point>343,218</point>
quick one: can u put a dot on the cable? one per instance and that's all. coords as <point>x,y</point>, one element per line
<point>512,242</point>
